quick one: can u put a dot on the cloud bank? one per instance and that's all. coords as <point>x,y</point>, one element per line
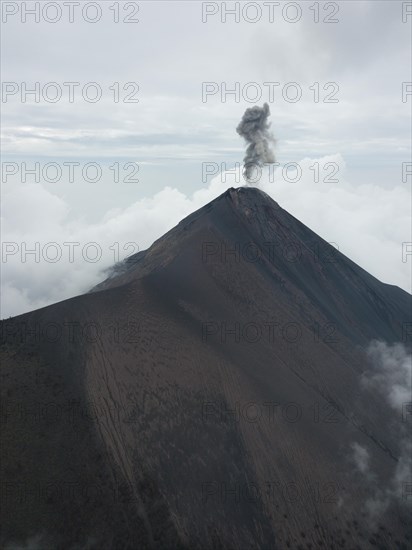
<point>357,219</point>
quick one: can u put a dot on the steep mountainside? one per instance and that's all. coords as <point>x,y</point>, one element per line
<point>209,394</point>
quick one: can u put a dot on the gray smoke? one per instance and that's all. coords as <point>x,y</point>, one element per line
<point>254,128</point>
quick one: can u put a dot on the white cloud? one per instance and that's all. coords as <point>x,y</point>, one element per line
<point>391,373</point>
<point>360,457</point>
<point>388,373</point>
<point>354,218</point>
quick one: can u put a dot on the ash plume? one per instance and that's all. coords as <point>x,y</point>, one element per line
<point>254,128</point>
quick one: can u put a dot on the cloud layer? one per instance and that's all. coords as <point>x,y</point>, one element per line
<point>355,218</point>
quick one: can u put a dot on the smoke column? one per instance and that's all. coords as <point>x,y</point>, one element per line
<point>254,128</point>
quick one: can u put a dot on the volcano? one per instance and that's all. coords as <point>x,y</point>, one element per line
<point>208,394</point>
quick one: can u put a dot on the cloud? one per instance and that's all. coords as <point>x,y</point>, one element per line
<point>355,218</point>
<point>391,373</point>
<point>395,488</point>
<point>360,457</point>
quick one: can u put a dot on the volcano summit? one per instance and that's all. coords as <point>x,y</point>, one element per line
<point>237,385</point>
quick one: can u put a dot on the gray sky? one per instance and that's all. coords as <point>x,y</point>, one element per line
<point>360,62</point>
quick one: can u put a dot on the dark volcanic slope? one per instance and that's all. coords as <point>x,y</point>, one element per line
<point>209,395</point>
